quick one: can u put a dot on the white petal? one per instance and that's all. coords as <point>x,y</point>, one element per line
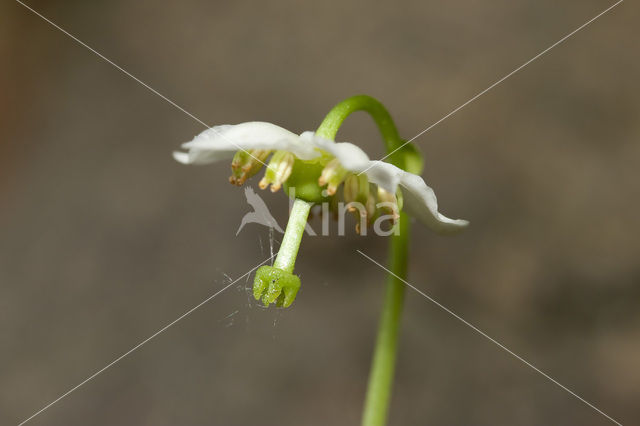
<point>181,157</point>
<point>221,142</point>
<point>419,200</point>
<point>350,156</point>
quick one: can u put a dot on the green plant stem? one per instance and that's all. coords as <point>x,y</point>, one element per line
<point>334,119</point>
<point>286,258</point>
<point>382,371</point>
<point>381,375</point>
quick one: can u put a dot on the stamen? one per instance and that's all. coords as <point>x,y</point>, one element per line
<point>278,170</point>
<point>389,203</point>
<point>332,175</point>
<point>356,188</point>
<point>246,164</point>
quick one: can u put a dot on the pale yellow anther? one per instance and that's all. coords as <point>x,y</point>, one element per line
<point>356,188</point>
<point>388,202</point>
<point>246,164</point>
<point>332,175</point>
<point>278,170</point>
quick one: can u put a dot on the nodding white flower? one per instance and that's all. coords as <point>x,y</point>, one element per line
<point>249,144</point>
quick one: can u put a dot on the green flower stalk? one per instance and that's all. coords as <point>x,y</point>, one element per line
<point>382,370</point>
<point>311,167</point>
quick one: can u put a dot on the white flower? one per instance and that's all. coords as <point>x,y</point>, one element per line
<point>222,142</point>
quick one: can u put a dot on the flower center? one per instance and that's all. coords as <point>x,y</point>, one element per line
<point>303,182</point>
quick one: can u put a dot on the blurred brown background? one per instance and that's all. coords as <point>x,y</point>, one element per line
<point>104,239</point>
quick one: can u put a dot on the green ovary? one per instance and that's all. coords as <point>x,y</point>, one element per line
<point>303,182</point>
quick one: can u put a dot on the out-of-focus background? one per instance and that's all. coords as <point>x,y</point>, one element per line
<point>104,239</point>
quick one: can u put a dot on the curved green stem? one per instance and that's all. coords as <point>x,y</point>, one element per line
<point>383,364</point>
<point>334,119</point>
